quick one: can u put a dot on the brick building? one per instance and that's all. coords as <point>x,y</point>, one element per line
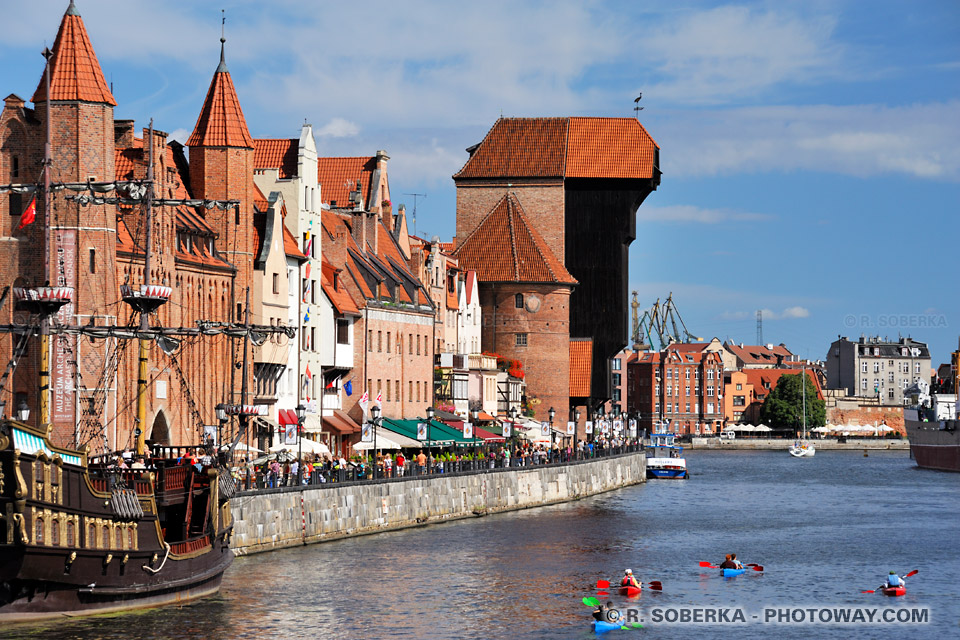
<point>205,254</point>
<point>525,297</point>
<point>679,388</point>
<point>579,182</point>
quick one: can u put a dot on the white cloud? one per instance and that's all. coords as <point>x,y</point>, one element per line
<point>689,213</point>
<point>180,135</point>
<point>728,53</point>
<point>338,128</point>
<point>920,140</point>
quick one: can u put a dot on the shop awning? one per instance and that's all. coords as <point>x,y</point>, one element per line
<point>441,435</point>
<point>287,416</point>
<point>487,435</point>
<point>387,439</point>
<point>340,423</point>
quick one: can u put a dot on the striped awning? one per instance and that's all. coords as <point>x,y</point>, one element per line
<point>32,445</point>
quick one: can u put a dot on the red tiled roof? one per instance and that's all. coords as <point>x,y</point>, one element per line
<point>338,177</point>
<point>581,359</point>
<point>759,354</point>
<point>259,199</point>
<point>75,72</point>
<point>221,122</point>
<point>504,248</point>
<point>276,153</point>
<point>563,148</point>
<point>685,347</point>
<point>338,296</point>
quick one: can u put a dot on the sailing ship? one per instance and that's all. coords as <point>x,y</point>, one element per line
<point>803,448</point>
<point>82,528</point>
<point>934,432</point>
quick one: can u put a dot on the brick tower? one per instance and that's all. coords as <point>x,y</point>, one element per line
<point>221,167</point>
<point>78,243</point>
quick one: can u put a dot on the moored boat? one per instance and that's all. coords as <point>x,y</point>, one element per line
<point>934,431</point>
<point>666,461</point>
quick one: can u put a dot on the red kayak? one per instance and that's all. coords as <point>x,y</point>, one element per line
<point>629,590</point>
<point>894,591</point>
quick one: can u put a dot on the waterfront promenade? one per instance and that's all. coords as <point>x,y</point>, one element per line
<point>267,519</point>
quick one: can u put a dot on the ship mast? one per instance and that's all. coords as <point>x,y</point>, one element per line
<point>44,400</point>
<point>144,315</point>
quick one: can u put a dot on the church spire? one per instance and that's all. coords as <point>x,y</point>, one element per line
<point>75,72</point>
<point>221,122</point>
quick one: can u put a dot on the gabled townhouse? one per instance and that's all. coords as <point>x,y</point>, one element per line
<point>339,314</point>
<point>289,166</point>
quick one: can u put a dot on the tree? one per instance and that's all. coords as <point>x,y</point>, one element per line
<point>783,408</point>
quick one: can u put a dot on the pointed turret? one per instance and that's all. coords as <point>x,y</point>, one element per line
<point>221,122</point>
<point>75,73</point>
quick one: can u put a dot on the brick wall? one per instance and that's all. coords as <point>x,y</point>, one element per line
<point>542,202</point>
<point>545,319</point>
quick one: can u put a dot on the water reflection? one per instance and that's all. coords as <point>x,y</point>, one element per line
<point>824,528</point>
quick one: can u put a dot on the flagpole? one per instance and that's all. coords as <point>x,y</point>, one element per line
<point>44,400</point>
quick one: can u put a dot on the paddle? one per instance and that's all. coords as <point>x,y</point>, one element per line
<point>912,573</point>
<point>603,584</point>
<point>756,567</point>
<point>655,585</point>
<point>708,565</point>
<point>591,602</point>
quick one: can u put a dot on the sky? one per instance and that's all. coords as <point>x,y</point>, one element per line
<point>810,150</point>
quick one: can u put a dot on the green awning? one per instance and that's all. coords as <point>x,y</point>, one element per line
<point>440,434</point>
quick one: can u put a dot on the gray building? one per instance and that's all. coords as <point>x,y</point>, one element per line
<point>877,368</point>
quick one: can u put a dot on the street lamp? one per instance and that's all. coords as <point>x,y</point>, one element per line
<point>576,427</point>
<point>551,413</point>
<point>23,411</point>
<point>301,415</point>
<point>430,413</point>
<point>221,410</point>
<point>513,431</point>
<point>375,421</point>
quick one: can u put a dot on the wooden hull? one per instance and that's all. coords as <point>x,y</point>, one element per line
<point>79,541</point>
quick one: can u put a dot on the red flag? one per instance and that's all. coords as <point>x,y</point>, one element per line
<point>29,214</point>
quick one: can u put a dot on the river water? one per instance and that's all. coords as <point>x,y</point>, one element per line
<point>825,528</point>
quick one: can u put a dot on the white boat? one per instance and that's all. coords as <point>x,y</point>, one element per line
<point>666,462</point>
<point>803,448</point>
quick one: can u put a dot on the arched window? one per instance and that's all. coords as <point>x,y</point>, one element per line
<point>518,301</point>
<point>92,536</point>
<point>119,538</point>
<point>55,533</point>
<point>106,537</point>
<point>71,534</point>
<point>130,544</point>
<point>38,538</point>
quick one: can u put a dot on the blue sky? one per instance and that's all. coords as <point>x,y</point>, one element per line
<point>811,150</point>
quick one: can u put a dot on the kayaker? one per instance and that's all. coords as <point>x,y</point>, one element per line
<point>629,580</point>
<point>893,580</point>
<point>733,558</point>
<point>603,613</point>
<point>728,563</point>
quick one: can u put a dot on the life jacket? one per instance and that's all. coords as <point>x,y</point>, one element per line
<point>894,581</point>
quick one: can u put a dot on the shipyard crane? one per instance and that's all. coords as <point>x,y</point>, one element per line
<point>660,322</point>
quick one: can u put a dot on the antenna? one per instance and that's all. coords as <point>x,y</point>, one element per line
<point>636,106</point>
<point>415,196</point>
<point>759,326</point>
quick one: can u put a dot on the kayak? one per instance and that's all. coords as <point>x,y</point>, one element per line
<point>894,591</point>
<point>729,573</point>
<point>602,627</point>
<point>629,590</point>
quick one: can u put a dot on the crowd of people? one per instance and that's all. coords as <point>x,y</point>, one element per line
<point>274,471</point>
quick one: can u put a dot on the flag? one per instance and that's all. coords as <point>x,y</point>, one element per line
<point>380,398</point>
<point>348,388</point>
<point>29,214</point>
<point>306,271</point>
<point>306,316</point>
<point>364,401</point>
<point>329,385</point>
<point>307,378</point>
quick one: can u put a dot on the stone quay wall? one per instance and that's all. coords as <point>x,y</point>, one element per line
<point>781,444</point>
<point>274,519</point>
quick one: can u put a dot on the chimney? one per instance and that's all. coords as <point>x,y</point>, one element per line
<point>123,133</point>
<point>372,221</point>
<point>359,229</point>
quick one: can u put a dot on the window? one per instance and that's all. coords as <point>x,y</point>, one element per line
<point>343,331</point>
<point>739,401</point>
<point>709,374</point>
<point>669,374</point>
<point>55,533</point>
<point>418,391</point>
<point>379,341</point>
<point>916,369</point>
<point>616,379</point>
<point>669,408</point>
<point>106,537</point>
<point>119,538</point>
<point>313,338</point>
<point>397,388</point>
<point>657,407</point>
<point>615,364</point>
<point>863,367</point>
<point>410,349</point>
<point>518,301</point>
<point>657,390</point>
<point>388,342</point>
<point>71,533</point>
<point>388,388</point>
<point>93,260</point>
<point>616,395</point>
<point>313,292</point>
<point>709,407</point>
<point>739,387</point>
<point>418,344</point>
<point>863,384</point>
<point>305,338</point>
<point>276,283</point>
<point>686,373</point>
<point>15,169</point>
<point>130,538</point>
<point>890,394</point>
<point>38,538</point>
<point>876,367</point>
<point>688,407</point>
<point>369,339</point>
<point>709,390</point>
<point>891,376</point>
<point>410,392</point>
<point>688,390</point>
<point>669,389</point>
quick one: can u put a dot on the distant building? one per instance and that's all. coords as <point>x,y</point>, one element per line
<point>680,388</point>
<point>738,357</point>
<point>746,391</point>
<point>875,367</point>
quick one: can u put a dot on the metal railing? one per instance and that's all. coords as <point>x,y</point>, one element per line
<point>258,479</point>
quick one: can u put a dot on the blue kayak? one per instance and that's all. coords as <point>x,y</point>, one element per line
<point>729,573</point>
<point>602,627</point>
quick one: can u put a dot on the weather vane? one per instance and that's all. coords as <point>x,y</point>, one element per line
<point>637,108</point>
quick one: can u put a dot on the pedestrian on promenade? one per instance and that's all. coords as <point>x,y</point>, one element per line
<point>387,466</point>
<point>400,462</point>
<point>421,463</point>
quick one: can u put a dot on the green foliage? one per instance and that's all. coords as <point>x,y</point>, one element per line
<point>783,408</point>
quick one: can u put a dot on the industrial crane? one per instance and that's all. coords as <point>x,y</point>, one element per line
<point>660,322</point>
